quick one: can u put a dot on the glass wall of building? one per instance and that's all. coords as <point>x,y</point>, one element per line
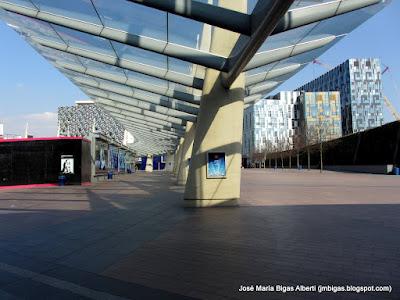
<point>320,117</point>
<point>360,86</point>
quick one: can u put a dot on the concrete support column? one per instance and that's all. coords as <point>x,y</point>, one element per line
<point>169,162</point>
<point>92,139</point>
<point>186,153</point>
<point>175,161</point>
<point>149,163</point>
<point>178,157</point>
<point>219,129</point>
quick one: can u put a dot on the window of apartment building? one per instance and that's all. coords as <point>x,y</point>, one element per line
<point>314,111</point>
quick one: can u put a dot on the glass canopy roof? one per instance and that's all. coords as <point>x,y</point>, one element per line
<point>146,65</point>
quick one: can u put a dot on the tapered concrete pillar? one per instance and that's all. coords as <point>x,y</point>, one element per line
<point>186,153</point>
<point>92,139</point>
<point>219,130</point>
<point>178,157</point>
<point>169,162</point>
<point>149,163</point>
<point>175,161</point>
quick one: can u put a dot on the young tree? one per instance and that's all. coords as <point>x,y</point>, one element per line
<point>325,133</point>
<point>268,150</point>
<point>281,147</point>
<point>311,138</point>
<point>289,149</point>
<point>298,145</point>
<point>317,134</point>
<point>257,157</point>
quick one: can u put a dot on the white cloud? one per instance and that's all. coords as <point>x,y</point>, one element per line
<point>40,124</point>
<point>43,116</point>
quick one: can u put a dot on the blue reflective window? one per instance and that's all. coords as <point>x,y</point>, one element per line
<point>84,40</point>
<point>140,55</point>
<point>133,18</point>
<point>76,9</point>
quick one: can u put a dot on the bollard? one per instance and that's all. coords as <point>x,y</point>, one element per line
<point>61,180</point>
<point>396,171</point>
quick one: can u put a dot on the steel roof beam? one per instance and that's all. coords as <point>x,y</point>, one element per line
<point>261,87</point>
<point>164,137</point>
<point>169,132</point>
<point>162,128</point>
<point>147,140</point>
<point>121,92</point>
<point>117,85</point>
<point>274,55</point>
<point>144,151</point>
<point>292,19</point>
<point>149,70</point>
<point>252,98</point>
<point>144,112</point>
<point>137,84</point>
<point>152,139</point>
<point>146,123</point>
<point>241,23</point>
<point>137,94</point>
<point>151,119</point>
<point>271,74</point>
<point>264,19</point>
<point>129,104</point>
<point>188,54</point>
<point>203,12</point>
<point>302,16</point>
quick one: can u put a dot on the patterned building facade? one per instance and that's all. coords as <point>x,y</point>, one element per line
<point>360,86</point>
<point>270,123</point>
<point>81,119</point>
<point>319,117</point>
<point>288,119</point>
<point>86,117</point>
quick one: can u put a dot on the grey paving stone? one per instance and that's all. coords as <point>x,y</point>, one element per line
<point>133,238</point>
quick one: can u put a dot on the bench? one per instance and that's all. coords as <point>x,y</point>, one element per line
<point>102,175</point>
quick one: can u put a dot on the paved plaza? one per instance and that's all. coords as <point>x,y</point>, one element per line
<point>131,238</point>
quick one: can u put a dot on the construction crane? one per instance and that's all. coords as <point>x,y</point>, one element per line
<point>391,108</point>
<point>387,101</point>
<point>326,66</point>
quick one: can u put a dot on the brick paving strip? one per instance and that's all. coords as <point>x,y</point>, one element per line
<point>59,284</point>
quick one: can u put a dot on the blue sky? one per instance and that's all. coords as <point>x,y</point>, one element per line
<point>31,89</point>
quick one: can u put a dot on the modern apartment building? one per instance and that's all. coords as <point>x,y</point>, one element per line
<point>360,86</point>
<point>291,119</point>
<point>86,117</point>
<point>111,138</point>
<point>270,123</point>
<point>319,117</point>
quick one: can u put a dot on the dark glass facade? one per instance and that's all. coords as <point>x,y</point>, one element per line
<point>38,161</point>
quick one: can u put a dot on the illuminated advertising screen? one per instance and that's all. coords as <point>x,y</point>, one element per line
<point>67,164</point>
<point>216,167</point>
